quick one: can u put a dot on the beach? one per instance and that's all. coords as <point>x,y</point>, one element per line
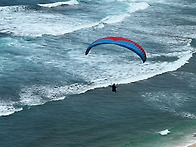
<point>193,145</point>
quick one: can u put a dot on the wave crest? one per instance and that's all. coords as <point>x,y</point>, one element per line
<point>56,4</point>
<point>8,108</point>
<point>13,8</point>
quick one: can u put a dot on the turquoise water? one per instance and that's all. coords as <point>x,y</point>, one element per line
<point>51,94</point>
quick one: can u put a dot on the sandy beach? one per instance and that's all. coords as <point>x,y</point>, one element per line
<point>193,145</point>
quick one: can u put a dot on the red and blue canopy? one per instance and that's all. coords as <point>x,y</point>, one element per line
<point>124,42</point>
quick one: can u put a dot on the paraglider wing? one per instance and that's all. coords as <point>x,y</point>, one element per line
<point>121,42</point>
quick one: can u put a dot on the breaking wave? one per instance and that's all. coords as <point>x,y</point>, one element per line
<point>56,4</point>
<point>24,21</point>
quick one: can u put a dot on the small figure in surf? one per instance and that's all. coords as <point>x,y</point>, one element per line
<point>114,86</point>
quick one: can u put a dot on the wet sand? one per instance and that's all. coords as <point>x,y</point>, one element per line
<point>193,145</point>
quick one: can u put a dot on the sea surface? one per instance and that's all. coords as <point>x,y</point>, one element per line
<point>52,94</point>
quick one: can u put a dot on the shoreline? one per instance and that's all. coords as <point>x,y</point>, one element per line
<point>193,145</point>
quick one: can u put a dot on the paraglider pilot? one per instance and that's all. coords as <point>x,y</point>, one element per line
<point>114,86</point>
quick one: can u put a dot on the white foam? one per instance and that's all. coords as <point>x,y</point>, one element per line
<point>38,24</point>
<point>7,9</point>
<point>120,17</point>
<point>56,4</point>
<point>8,108</point>
<point>104,73</point>
<point>187,115</point>
<point>164,132</point>
<point>20,21</point>
<point>101,75</point>
<point>133,7</point>
<point>160,68</point>
<point>39,95</point>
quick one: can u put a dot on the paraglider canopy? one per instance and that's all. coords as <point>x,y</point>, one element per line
<point>124,42</point>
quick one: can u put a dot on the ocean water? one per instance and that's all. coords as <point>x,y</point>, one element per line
<point>51,94</point>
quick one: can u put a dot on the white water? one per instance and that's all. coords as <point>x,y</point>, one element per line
<point>95,69</point>
<point>20,21</point>
<point>56,4</point>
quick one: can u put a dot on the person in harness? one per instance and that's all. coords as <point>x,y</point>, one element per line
<point>114,86</point>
